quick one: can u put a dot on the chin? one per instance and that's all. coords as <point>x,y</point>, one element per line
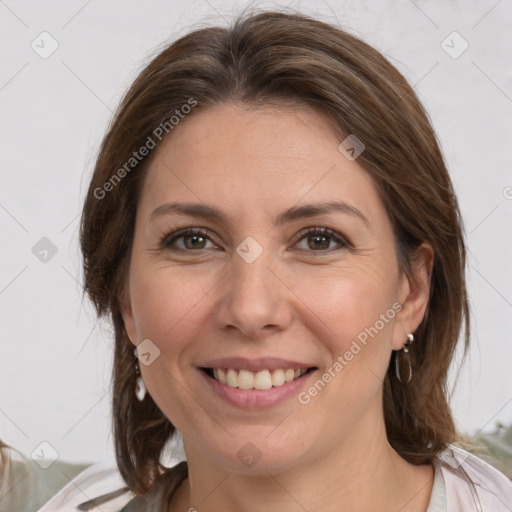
<point>258,454</point>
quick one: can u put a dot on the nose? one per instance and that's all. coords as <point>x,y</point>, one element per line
<point>255,300</point>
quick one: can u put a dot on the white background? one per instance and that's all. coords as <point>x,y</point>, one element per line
<point>55,359</point>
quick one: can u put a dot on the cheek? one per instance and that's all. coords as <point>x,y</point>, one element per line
<point>353,317</point>
<point>166,306</point>
<point>352,314</point>
<point>348,301</point>
<point>169,310</point>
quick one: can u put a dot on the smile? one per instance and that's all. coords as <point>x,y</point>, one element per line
<point>256,390</point>
<point>263,379</point>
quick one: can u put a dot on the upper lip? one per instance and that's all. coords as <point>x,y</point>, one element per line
<point>254,365</point>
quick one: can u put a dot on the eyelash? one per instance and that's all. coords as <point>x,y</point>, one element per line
<point>167,240</point>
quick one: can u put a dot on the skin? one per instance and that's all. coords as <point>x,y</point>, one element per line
<point>295,301</point>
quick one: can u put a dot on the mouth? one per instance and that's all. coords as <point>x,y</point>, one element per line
<point>260,380</point>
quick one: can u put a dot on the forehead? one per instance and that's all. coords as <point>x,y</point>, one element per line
<point>266,157</point>
<point>229,131</point>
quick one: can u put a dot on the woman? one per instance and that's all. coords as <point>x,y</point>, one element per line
<point>273,230</point>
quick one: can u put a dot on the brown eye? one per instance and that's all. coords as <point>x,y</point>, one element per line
<point>322,240</point>
<point>188,239</point>
<point>319,241</point>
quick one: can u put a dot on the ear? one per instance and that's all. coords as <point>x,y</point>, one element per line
<point>127,314</point>
<point>413,295</point>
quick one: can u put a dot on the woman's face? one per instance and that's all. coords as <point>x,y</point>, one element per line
<point>263,289</point>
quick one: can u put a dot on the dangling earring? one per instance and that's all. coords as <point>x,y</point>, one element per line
<point>403,355</point>
<point>140,387</point>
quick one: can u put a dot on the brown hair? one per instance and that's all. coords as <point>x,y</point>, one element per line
<point>277,58</point>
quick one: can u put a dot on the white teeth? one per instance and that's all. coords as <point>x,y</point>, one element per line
<point>278,378</point>
<point>245,379</point>
<point>232,378</point>
<point>289,375</point>
<point>264,379</point>
<point>222,375</point>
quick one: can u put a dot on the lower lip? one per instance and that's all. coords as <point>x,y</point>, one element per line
<point>257,398</point>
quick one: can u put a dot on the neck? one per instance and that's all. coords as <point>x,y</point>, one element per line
<point>363,473</point>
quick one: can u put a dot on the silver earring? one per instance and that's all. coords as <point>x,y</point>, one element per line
<point>402,359</point>
<point>140,387</point>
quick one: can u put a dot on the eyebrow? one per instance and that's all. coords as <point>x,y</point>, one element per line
<point>291,214</point>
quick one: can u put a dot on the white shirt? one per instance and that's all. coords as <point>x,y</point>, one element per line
<point>462,483</point>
